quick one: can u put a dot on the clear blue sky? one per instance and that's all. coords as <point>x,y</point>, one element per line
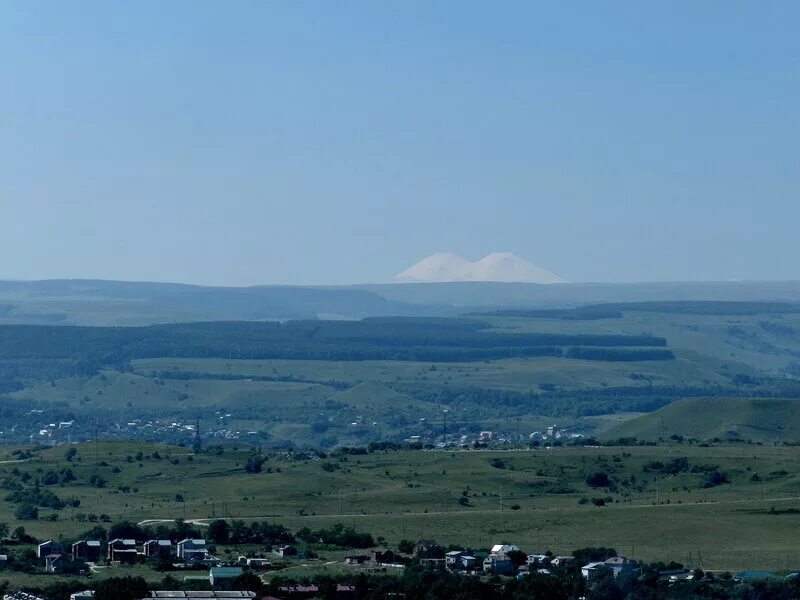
<point>335,142</point>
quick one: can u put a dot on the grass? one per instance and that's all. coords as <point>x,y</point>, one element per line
<point>759,419</point>
<point>414,494</point>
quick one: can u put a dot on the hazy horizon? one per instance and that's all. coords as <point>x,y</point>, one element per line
<point>315,143</point>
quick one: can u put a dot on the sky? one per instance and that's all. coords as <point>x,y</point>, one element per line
<point>319,142</point>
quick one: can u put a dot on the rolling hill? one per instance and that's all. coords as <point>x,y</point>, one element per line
<point>757,419</point>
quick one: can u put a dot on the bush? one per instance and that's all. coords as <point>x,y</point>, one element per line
<point>254,464</point>
<point>715,478</point>
<point>26,512</point>
<point>599,479</point>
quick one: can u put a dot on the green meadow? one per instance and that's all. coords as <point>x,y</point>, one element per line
<point>538,498</point>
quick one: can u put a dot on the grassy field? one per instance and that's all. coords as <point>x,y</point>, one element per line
<point>530,497</point>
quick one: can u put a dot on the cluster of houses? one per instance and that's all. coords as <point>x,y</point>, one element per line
<point>126,551</point>
<point>508,560</point>
<point>178,595</point>
<point>481,439</point>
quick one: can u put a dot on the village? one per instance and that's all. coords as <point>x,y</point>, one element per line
<point>209,576</point>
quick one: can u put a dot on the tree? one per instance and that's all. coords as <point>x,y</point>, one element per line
<point>254,464</point>
<point>126,530</point>
<point>121,588</point>
<point>4,530</point>
<point>248,581</point>
<point>70,454</point>
<point>405,546</point>
<point>219,531</point>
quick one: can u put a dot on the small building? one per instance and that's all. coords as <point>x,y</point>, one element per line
<point>287,551</point>
<point>468,563</point>
<point>122,550</point>
<point>192,550</point>
<point>433,563</point>
<point>504,548</point>
<point>562,561</point>
<point>428,549</point>
<point>48,547</point>
<point>498,564</point>
<point>218,575</point>
<point>87,550</point>
<point>382,557</point>
<point>538,560</point>
<point>157,549</point>
<point>55,563</point>
<point>621,564</point>
<point>257,563</point>
<point>593,570</point>
<point>84,595</point>
<point>356,559</point>
<point>453,559</point>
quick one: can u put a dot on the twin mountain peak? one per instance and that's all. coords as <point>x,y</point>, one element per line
<point>498,266</point>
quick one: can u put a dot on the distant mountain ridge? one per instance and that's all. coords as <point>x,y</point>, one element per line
<point>503,267</point>
<point>98,302</point>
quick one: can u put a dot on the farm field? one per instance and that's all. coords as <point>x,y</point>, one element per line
<point>534,498</point>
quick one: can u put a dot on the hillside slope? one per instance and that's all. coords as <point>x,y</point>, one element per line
<point>757,419</point>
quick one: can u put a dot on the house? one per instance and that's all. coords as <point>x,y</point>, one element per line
<point>562,561</point>
<point>433,563</point>
<point>356,559</point>
<point>218,575</point>
<point>621,564</point>
<point>504,548</point>
<point>87,550</point>
<point>498,564</point>
<point>538,560</point>
<point>453,559</point>
<point>287,551</point>
<point>593,570</point>
<point>468,562</point>
<point>55,563</point>
<point>192,550</point>
<point>382,557</point>
<point>122,550</point>
<point>48,547</point>
<point>258,563</point>
<point>84,595</point>
<point>3,561</point>
<point>157,549</point>
<point>428,549</point>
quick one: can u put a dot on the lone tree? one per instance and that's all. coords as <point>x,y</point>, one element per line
<point>219,531</point>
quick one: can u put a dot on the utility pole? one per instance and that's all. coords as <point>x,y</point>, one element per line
<point>198,443</point>
<point>501,497</point>
<point>444,426</point>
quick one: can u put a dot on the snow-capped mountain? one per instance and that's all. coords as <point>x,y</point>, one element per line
<point>499,266</point>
